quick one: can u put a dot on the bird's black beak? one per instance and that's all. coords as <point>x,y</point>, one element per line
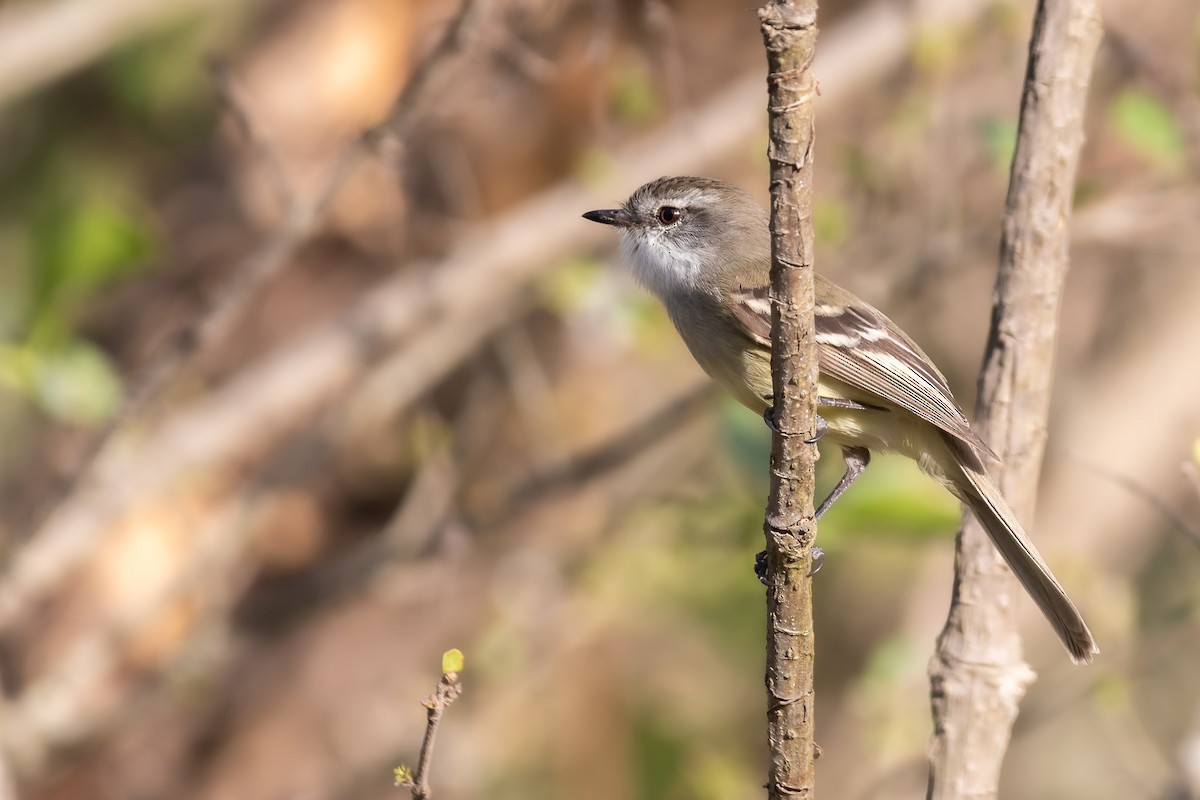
<point>610,216</point>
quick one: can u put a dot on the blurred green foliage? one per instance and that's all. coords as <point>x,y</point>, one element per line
<point>673,762</point>
<point>566,287</point>
<point>937,48</point>
<point>73,381</point>
<point>892,498</point>
<point>660,750</point>
<point>593,166</point>
<point>831,222</point>
<point>999,135</point>
<point>1146,125</point>
<point>160,83</point>
<point>636,99</point>
<point>887,663</point>
<point>646,320</point>
<point>79,234</point>
<point>74,218</point>
<point>1111,692</point>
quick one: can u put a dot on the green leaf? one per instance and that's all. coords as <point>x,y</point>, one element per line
<point>831,222</point>
<point>81,245</point>
<point>747,439</point>
<point>1111,693</point>
<point>159,79</point>
<point>594,166</point>
<point>452,661</point>
<point>999,142</point>
<point>661,752</point>
<point>893,497</point>
<point>888,662</point>
<point>566,287</point>
<point>1144,123</point>
<point>936,48</point>
<point>636,99</point>
<point>76,383</point>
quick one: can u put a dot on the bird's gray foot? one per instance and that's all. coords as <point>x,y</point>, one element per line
<point>822,426</point>
<point>760,564</point>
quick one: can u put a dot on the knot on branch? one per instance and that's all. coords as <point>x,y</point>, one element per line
<point>788,16</point>
<point>791,535</point>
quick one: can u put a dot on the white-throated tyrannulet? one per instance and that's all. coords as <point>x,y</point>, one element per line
<point>703,247</point>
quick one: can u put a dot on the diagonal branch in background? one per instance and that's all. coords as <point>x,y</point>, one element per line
<point>46,563</point>
<point>790,34</point>
<point>978,675</point>
<point>477,289</point>
<point>236,104</point>
<point>1148,494</point>
<point>43,40</point>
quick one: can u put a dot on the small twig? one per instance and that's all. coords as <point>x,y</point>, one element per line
<point>1154,499</point>
<point>236,104</point>
<point>533,396</point>
<point>447,691</point>
<point>614,452</point>
<point>661,24</point>
<point>401,116</point>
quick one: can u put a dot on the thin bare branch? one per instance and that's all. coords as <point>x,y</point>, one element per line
<point>447,691</point>
<point>790,33</point>
<point>42,41</point>
<point>531,391</point>
<point>233,97</point>
<point>1152,498</point>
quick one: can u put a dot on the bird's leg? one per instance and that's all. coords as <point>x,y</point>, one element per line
<point>857,459</point>
<point>760,564</point>
<point>822,427</point>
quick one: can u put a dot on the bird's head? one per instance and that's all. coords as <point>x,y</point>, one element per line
<point>686,234</point>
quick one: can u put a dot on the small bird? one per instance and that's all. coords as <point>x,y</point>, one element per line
<point>703,248</point>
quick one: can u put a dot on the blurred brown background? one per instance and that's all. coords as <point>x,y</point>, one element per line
<point>447,418</point>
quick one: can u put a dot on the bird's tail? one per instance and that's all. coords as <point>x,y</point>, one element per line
<point>976,489</point>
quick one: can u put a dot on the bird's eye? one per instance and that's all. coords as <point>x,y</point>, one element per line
<point>668,215</point>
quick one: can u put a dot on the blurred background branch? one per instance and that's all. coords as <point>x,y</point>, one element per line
<point>40,42</point>
<point>58,547</point>
<point>978,676</point>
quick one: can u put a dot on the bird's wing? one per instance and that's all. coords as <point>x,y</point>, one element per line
<point>858,345</point>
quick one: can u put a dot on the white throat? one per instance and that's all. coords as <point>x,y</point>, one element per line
<point>658,264</point>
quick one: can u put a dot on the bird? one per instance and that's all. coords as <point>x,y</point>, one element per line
<point>702,247</point>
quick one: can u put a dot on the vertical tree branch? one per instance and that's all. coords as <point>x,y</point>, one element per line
<point>790,34</point>
<point>978,674</point>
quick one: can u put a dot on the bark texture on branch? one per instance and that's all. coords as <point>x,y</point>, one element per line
<point>790,34</point>
<point>978,675</point>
